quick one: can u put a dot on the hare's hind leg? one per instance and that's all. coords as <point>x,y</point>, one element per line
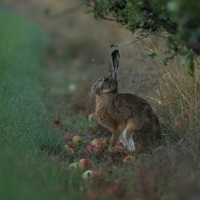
<point>115,135</point>
<point>126,136</point>
<point>123,138</point>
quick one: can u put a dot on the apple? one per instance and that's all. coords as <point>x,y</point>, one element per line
<point>84,162</point>
<point>93,174</point>
<point>76,166</point>
<point>87,175</point>
<point>77,140</point>
<point>98,149</point>
<point>120,143</point>
<point>90,147</point>
<point>96,142</point>
<point>129,160</point>
<point>104,141</point>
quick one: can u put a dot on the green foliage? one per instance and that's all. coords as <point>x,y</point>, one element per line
<point>134,14</point>
<point>180,18</point>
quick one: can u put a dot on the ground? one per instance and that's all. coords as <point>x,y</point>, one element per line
<point>46,79</point>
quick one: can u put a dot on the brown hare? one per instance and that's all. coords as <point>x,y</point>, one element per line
<point>129,117</point>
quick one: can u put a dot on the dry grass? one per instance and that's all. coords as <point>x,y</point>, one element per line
<point>177,95</point>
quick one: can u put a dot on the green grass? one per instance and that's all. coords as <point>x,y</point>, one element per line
<point>34,164</point>
<point>26,133</point>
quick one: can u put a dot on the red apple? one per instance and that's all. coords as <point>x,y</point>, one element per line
<point>96,142</point>
<point>77,140</point>
<point>98,149</point>
<point>90,147</point>
<point>84,162</point>
<point>120,143</point>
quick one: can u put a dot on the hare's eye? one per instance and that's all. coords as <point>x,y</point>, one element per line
<point>105,79</point>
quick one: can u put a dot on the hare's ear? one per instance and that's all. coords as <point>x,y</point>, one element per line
<point>114,64</point>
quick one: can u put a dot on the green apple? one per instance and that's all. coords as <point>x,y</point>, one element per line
<point>87,175</point>
<point>77,140</point>
<point>76,166</point>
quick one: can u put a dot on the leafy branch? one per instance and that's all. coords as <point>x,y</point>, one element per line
<point>179,18</point>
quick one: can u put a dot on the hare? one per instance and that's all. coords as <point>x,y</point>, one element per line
<point>129,117</point>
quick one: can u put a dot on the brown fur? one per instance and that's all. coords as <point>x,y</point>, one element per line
<point>125,112</point>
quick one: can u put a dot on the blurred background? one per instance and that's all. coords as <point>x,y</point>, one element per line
<point>80,52</point>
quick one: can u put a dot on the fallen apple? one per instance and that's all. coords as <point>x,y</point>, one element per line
<point>87,175</point>
<point>90,147</point>
<point>96,142</point>
<point>77,140</point>
<point>85,162</point>
<point>76,166</point>
<point>120,143</point>
<point>96,174</point>
<point>98,149</point>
